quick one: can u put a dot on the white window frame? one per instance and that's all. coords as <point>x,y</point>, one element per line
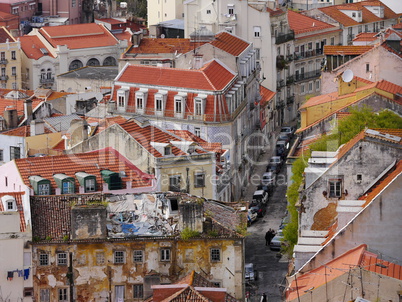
<point>179,103</point>
<point>199,179</point>
<point>122,97</point>
<point>62,294</point>
<point>257,31</point>
<point>317,85</point>
<point>174,182</point>
<point>335,188</point>
<point>62,258</point>
<point>165,254</point>
<point>119,257</point>
<point>119,293</point>
<point>90,185</point>
<point>138,291</point>
<point>67,187</point>
<point>310,86</point>
<point>43,259</point>
<point>197,131</point>
<point>160,102</point>
<point>215,254</point>
<point>44,295</point>
<point>138,256</point>
<point>100,258</point>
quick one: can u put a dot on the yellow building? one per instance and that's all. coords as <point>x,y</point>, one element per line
<point>10,61</point>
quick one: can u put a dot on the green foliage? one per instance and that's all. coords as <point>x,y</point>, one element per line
<point>66,237</point>
<point>359,119</point>
<point>48,238</point>
<point>188,233</point>
<point>242,229</point>
<point>213,233</point>
<point>36,239</point>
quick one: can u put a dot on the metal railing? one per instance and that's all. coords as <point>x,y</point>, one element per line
<point>3,61</point>
<point>282,38</point>
<point>308,53</point>
<point>307,75</point>
<point>280,84</point>
<point>4,78</point>
<point>46,81</point>
<point>290,99</point>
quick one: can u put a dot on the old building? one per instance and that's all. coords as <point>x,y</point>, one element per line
<point>10,61</point>
<point>118,248</point>
<point>336,188</point>
<point>358,273</point>
<point>217,100</point>
<point>355,18</point>
<point>178,164</point>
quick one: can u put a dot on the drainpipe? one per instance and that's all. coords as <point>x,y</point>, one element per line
<point>71,277</point>
<point>187,180</point>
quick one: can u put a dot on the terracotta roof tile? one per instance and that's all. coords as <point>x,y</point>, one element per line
<point>124,36</point>
<point>365,37</point>
<point>5,35</point>
<point>188,136</point>
<point>266,94</point>
<point>79,36</point>
<point>348,50</point>
<point>18,200</point>
<point>230,43</point>
<point>301,24</point>
<point>107,158</point>
<point>159,45</point>
<point>24,131</point>
<point>105,122</point>
<point>32,45</point>
<point>212,77</point>
<point>334,11</point>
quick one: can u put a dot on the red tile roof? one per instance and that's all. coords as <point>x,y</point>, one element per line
<point>229,43</point>
<point>349,50</point>
<point>5,35</point>
<point>124,36</point>
<point>266,95</point>
<point>189,136</point>
<point>159,45</point>
<point>354,258</point>
<point>334,11</point>
<point>32,45</point>
<point>24,131</point>
<point>105,122</point>
<point>89,162</point>
<point>78,36</point>
<point>213,76</point>
<point>366,37</point>
<point>301,24</point>
<point>18,200</point>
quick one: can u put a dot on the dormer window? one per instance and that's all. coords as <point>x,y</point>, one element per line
<point>199,105</point>
<point>141,100</point>
<point>122,97</point>
<point>9,203</point>
<point>160,102</point>
<point>231,9</point>
<point>179,105</point>
<point>40,185</point>
<point>65,183</point>
<point>168,150</point>
<point>87,181</point>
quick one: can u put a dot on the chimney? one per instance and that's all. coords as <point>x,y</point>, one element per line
<point>11,118</point>
<point>37,127</point>
<point>191,213</point>
<point>136,38</point>
<point>28,109</point>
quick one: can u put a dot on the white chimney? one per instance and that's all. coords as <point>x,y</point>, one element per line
<point>37,127</point>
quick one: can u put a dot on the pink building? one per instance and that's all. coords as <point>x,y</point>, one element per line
<point>70,9</point>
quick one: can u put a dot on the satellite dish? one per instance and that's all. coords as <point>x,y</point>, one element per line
<point>162,36</point>
<point>347,75</point>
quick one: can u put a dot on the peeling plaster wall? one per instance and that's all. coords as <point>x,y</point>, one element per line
<point>93,279</point>
<point>369,158</point>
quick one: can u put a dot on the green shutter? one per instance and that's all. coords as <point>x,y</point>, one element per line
<point>113,179</point>
<point>36,180</point>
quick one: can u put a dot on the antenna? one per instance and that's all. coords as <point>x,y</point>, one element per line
<point>347,75</point>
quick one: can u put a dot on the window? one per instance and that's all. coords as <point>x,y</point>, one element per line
<point>90,185</point>
<point>13,71</point>
<point>119,293</point>
<point>174,183</point>
<point>49,74</point>
<point>43,259</point>
<point>140,103</point>
<point>257,31</point>
<point>73,3</point>
<point>353,15</point>
<point>2,56</point>
<point>197,131</point>
<point>366,28</point>
<point>100,258</point>
<point>15,152</point>
<point>332,40</point>
<point>138,291</point>
<point>335,186</point>
<point>158,104</point>
<point>359,29</point>
<point>28,291</point>
<point>3,71</point>
<point>15,11</point>
<point>302,89</point>
<point>13,57</point>
<point>67,187</point>
<point>199,179</point>
<point>215,255</point>
<point>120,100</point>
<point>14,85</point>
<point>62,294</point>
<point>208,11</point>
<point>138,256</point>
<point>118,257</point>
<point>310,86</point>
<point>198,108</point>
<point>44,189</point>
<point>42,74</point>
<point>216,283</point>
<point>44,295</point>
<point>178,106</point>
<point>10,205</point>
<point>310,45</point>
<point>367,67</point>
<point>257,53</point>
<point>61,258</point>
<point>1,155</point>
<point>168,150</point>
<point>359,177</point>
<point>317,85</point>
<point>165,254</point>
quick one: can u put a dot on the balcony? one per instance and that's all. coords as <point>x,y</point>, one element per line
<point>290,99</point>
<point>46,81</point>
<point>281,63</point>
<point>308,53</point>
<point>282,38</point>
<point>280,84</point>
<point>3,62</point>
<point>4,78</point>
<point>280,104</point>
<point>307,75</point>
<point>290,80</point>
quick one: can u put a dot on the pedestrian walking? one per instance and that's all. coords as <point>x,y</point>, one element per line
<point>267,237</point>
<point>263,298</point>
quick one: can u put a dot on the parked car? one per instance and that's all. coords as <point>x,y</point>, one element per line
<point>251,217</point>
<point>268,178</point>
<point>285,220</point>
<point>264,187</point>
<point>287,130</point>
<point>259,208</point>
<point>260,196</point>
<point>273,168</point>
<point>250,273</point>
<point>281,149</point>
<point>276,160</point>
<point>283,137</point>
<point>277,241</point>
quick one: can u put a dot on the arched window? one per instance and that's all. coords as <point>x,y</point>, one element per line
<point>93,62</point>
<point>110,61</point>
<point>42,74</point>
<point>75,65</point>
<point>49,74</point>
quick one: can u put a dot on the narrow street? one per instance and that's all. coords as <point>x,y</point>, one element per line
<point>270,265</point>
